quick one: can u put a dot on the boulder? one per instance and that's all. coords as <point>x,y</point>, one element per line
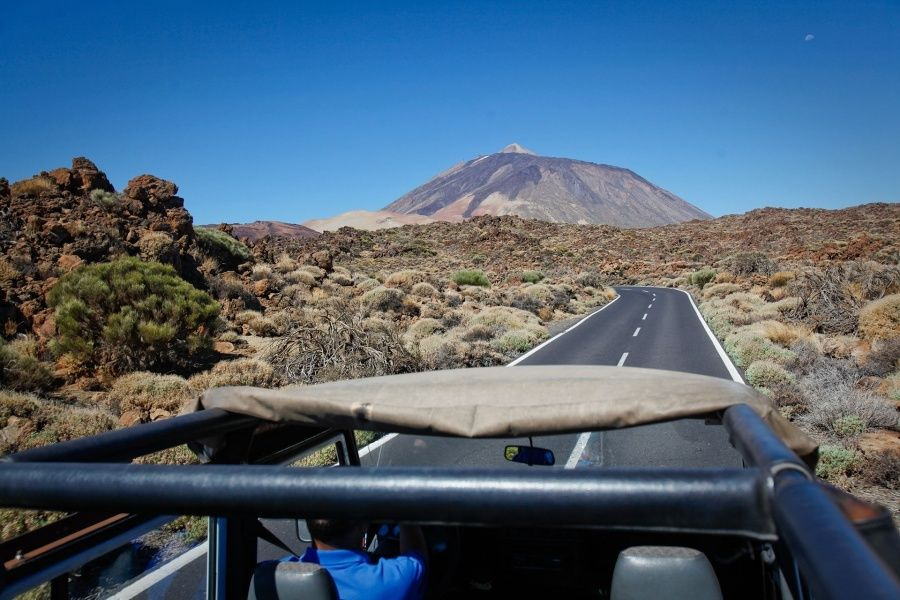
<point>153,190</point>
<point>5,194</point>
<point>323,259</point>
<point>82,178</point>
<point>130,417</point>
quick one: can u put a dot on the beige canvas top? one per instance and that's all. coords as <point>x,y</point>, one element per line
<point>501,402</point>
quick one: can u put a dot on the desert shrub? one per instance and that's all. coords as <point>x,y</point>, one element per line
<point>240,371</point>
<point>767,374</point>
<point>257,323</point>
<point>747,347</point>
<point>783,334</point>
<point>589,279</point>
<point>528,302</point>
<point>471,277</point>
<point>880,319</point>
<point>145,392</point>
<point>304,277</point>
<point>837,461</point>
<point>849,426</point>
<point>829,300</point>
<point>781,278</point>
<point>157,246</point>
<point>883,358</point>
<point>222,245</point>
<point>405,279</point>
<point>8,271</point>
<point>32,187</point>
<point>517,341</point>
<point>829,387</point>
<point>129,314</point>
<point>365,284</point>
<point>342,345</point>
<point>720,290</point>
<point>531,276</point>
<point>420,330</point>
<point>425,290</point>
<point>105,200</point>
<point>702,277</point>
<point>23,371</point>
<point>342,279</point>
<point>747,263</point>
<point>382,299</point>
<point>317,272</point>
<point>260,272</point>
<point>285,264</point>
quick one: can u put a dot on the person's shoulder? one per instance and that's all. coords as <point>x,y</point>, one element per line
<point>409,567</point>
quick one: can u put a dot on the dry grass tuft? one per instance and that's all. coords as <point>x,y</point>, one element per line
<point>880,319</point>
<point>32,187</point>
<point>146,392</point>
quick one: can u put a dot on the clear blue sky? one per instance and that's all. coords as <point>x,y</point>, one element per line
<point>289,111</point>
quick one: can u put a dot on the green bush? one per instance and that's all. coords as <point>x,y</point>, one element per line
<point>746,347</point>
<point>22,372</point>
<point>222,245</point>
<point>836,461</point>
<point>471,277</point>
<point>532,276</point>
<point>702,277</point>
<point>767,374</point>
<point>105,200</point>
<point>129,315</point>
<point>849,426</point>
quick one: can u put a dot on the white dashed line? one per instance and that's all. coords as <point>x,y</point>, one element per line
<point>622,360</point>
<point>636,331</point>
<point>644,318</point>
<point>650,305</point>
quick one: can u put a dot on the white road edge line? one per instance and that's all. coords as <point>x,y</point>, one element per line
<point>732,370</point>
<point>154,577</point>
<point>562,333</point>
<point>622,360</point>
<point>578,450</point>
<point>636,331</point>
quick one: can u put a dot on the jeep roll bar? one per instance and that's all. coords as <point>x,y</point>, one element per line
<point>776,500</point>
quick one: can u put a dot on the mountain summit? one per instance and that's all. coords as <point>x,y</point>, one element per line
<point>516,181</point>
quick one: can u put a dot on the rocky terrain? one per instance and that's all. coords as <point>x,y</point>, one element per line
<point>367,219</point>
<point>515,181</point>
<point>116,309</point>
<point>260,229</point>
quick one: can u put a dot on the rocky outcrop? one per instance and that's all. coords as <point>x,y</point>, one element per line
<point>45,235</point>
<point>82,178</point>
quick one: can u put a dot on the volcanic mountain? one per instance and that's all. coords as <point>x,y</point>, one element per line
<point>516,181</point>
<point>259,229</point>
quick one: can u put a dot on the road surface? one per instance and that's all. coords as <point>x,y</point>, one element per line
<point>655,328</point>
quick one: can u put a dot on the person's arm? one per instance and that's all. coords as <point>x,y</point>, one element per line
<point>412,540</point>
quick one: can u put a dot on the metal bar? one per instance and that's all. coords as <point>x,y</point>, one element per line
<point>756,442</point>
<point>727,501</point>
<point>51,565</point>
<point>126,444</point>
<point>834,559</point>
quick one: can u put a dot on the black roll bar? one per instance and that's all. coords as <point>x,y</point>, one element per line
<point>723,501</point>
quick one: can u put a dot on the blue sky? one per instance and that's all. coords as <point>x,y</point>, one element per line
<point>290,111</point>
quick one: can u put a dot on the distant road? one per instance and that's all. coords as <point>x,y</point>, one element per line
<point>656,328</point>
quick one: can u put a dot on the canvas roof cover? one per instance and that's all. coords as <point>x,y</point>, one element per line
<point>502,402</point>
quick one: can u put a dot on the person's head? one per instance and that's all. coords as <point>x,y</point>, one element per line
<point>337,533</point>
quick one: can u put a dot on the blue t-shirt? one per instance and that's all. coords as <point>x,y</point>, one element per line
<point>357,577</point>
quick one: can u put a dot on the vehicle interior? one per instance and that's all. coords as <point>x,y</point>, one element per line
<point>529,528</point>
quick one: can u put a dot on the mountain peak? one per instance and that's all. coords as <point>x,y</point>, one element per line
<point>516,149</point>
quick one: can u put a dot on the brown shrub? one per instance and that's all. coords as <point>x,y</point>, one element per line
<point>881,319</point>
<point>145,392</point>
<point>241,371</point>
<point>33,186</point>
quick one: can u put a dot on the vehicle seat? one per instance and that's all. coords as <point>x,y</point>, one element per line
<point>670,572</point>
<point>277,580</point>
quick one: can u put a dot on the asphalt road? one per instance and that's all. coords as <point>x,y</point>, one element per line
<point>644,327</point>
<point>655,328</point>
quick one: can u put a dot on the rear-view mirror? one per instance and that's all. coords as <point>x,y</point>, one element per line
<point>530,455</point>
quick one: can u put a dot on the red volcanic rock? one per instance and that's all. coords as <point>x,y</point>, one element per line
<point>82,178</point>
<point>153,190</point>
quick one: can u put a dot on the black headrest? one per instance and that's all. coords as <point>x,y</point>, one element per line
<point>277,580</point>
<point>670,572</point>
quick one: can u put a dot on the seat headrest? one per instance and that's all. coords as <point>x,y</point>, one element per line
<point>670,572</point>
<point>277,580</point>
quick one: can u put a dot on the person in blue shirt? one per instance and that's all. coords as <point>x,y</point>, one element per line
<point>338,546</point>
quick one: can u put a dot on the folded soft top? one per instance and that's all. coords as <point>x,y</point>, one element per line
<point>501,402</point>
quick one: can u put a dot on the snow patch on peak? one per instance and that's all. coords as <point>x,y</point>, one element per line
<point>516,149</point>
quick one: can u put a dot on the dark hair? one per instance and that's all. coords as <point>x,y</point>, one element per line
<point>335,532</point>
